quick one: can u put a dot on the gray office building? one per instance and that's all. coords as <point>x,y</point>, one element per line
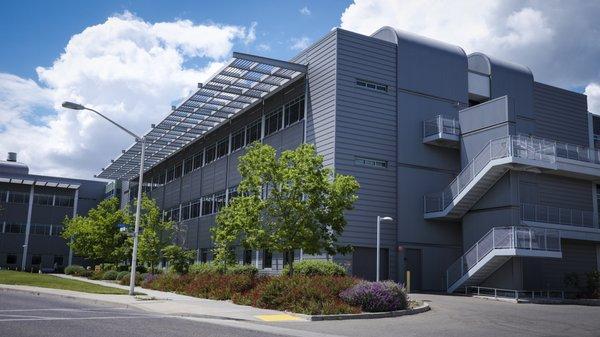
<point>32,211</point>
<point>490,176</point>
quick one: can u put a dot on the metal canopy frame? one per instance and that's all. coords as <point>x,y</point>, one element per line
<point>239,85</point>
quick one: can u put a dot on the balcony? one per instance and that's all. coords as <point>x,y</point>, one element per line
<point>557,215</point>
<point>500,155</point>
<point>442,131</point>
<point>496,247</point>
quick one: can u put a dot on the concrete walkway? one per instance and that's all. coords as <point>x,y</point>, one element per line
<point>166,302</point>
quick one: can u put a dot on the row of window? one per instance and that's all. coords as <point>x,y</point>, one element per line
<point>371,85</point>
<point>276,120</point>
<point>370,162</point>
<point>13,197</point>
<point>36,259</point>
<point>267,257</point>
<point>206,205</point>
<point>35,229</point>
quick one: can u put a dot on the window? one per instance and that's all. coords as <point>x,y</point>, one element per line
<point>11,259</point>
<point>219,201</point>
<point>372,85</point>
<point>273,122</point>
<point>195,209</point>
<point>56,230</point>
<point>3,195</point>
<point>294,111</point>
<point>185,212</point>
<point>371,162</point>
<point>248,256</point>
<point>161,178</point>
<point>232,193</point>
<point>238,140</point>
<point>170,174</point>
<point>198,160</point>
<point>207,205</point>
<point>267,259</point>
<point>223,147</point>
<point>36,260</point>
<point>43,199</point>
<point>15,228</point>
<point>63,201</point>
<point>203,255</point>
<point>40,229</point>
<point>18,198</point>
<point>175,214</point>
<point>253,132</point>
<point>58,260</point>
<point>288,257</point>
<point>188,166</point>
<point>209,154</point>
<point>178,171</point>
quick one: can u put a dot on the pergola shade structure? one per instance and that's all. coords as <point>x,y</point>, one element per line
<point>242,83</point>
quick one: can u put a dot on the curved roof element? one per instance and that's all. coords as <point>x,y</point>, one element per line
<point>395,35</point>
<point>13,167</point>
<point>482,63</point>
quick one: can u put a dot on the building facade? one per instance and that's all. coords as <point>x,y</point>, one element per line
<point>489,175</point>
<point>32,211</point>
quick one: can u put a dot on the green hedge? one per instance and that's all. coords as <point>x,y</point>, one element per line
<point>110,275</point>
<point>208,268</point>
<point>316,267</point>
<point>122,274</point>
<point>76,270</point>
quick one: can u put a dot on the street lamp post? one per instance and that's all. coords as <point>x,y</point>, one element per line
<point>138,207</point>
<point>379,219</point>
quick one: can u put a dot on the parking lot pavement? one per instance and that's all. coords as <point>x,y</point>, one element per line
<point>467,316</point>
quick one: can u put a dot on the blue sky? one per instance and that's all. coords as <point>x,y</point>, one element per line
<point>36,32</point>
<point>134,59</point>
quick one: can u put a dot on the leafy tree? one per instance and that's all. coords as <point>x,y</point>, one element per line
<point>286,203</point>
<point>179,259</point>
<point>155,233</point>
<point>96,236</point>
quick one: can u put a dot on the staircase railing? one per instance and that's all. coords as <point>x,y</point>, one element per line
<point>515,237</point>
<point>516,146</point>
<point>557,215</point>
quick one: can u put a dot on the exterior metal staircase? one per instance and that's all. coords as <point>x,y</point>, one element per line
<point>498,246</point>
<point>442,131</point>
<point>501,155</point>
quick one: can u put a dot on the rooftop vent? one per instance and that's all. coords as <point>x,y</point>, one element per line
<point>12,156</point>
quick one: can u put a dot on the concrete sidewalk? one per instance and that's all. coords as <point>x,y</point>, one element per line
<point>166,303</point>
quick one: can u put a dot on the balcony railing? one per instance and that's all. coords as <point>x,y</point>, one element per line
<point>440,124</point>
<point>557,215</point>
<point>530,238</point>
<point>525,147</point>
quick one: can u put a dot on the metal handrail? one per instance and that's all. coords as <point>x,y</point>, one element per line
<point>513,237</point>
<point>440,124</point>
<point>526,147</point>
<point>516,294</point>
<point>557,215</point>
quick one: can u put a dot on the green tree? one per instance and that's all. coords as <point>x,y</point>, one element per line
<point>155,233</point>
<point>179,259</point>
<point>96,236</point>
<point>285,203</point>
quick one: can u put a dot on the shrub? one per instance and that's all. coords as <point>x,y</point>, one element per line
<point>141,269</point>
<point>179,259</point>
<point>299,293</point>
<point>593,284</point>
<point>316,267</point>
<point>206,268</point>
<point>122,274</point>
<point>97,275</point>
<point>242,269</point>
<point>76,270</point>
<point>125,280</point>
<point>571,280</point>
<point>110,275</point>
<point>376,296</point>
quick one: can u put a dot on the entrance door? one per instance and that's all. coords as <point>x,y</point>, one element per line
<point>412,263</point>
<point>364,263</point>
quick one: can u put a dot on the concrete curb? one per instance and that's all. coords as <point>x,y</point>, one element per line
<point>43,293</point>
<point>367,315</point>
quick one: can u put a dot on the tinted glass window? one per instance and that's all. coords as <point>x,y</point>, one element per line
<point>223,147</point>
<point>209,154</point>
<point>237,140</point>
<point>273,122</point>
<point>253,132</point>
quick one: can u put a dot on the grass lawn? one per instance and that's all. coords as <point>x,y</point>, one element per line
<point>49,281</point>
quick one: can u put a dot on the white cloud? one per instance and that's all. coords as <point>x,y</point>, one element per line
<point>558,40</point>
<point>593,92</point>
<point>264,47</point>
<point>300,43</point>
<point>305,11</point>
<point>129,69</point>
